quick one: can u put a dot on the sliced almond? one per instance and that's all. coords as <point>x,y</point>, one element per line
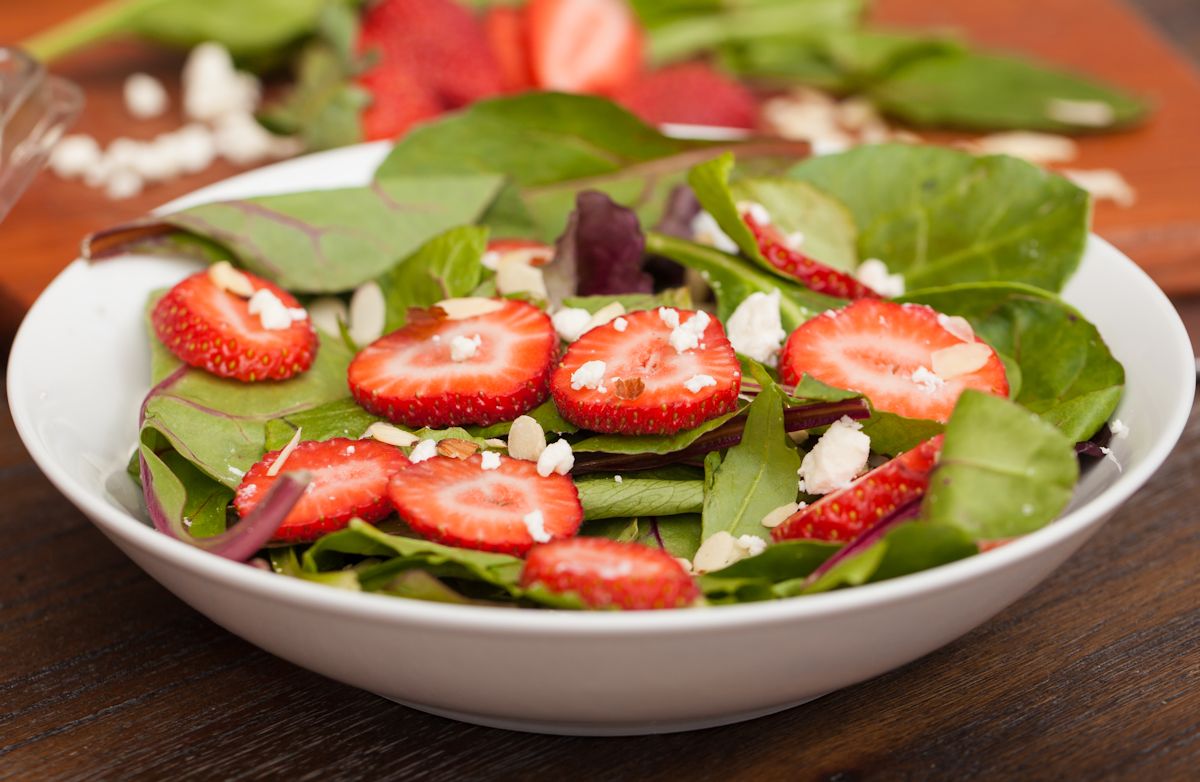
<point>1089,113</point>
<point>468,307</point>
<point>958,326</point>
<point>495,442</point>
<point>227,278</point>
<point>1104,184</point>
<point>392,435</point>
<point>455,448</point>
<point>368,313</point>
<point>719,551</point>
<point>780,515</point>
<point>606,313</point>
<point>282,458</point>
<point>1035,147</point>
<point>628,388</point>
<point>959,360</point>
<point>513,276</point>
<point>526,439</point>
<point>327,314</point>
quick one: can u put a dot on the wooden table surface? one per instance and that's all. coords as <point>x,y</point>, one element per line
<point>105,675</point>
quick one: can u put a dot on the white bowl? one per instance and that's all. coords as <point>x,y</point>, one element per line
<point>78,371</point>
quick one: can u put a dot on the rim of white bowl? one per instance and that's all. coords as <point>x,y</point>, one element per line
<point>551,622</point>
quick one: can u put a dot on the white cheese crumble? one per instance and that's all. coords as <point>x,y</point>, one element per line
<point>213,88</point>
<point>837,458</point>
<point>536,524</point>
<point>1118,429</point>
<point>571,323</point>
<point>491,260</point>
<point>752,545</point>
<point>282,458</point>
<point>463,348</point>
<point>669,316</point>
<point>926,380</point>
<point>686,336</point>
<point>145,96</point>
<point>526,439</point>
<point>618,478</point>
<point>426,449</point>
<point>74,155</point>
<point>392,435</point>
<point>781,514</point>
<point>489,460</point>
<point>755,328</point>
<point>755,210</point>
<point>272,313</point>
<point>875,275</point>
<point>620,324</point>
<point>590,375</point>
<point>706,230</point>
<point>697,383</point>
<point>556,458</point>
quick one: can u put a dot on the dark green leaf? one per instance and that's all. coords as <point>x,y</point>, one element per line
<point>445,267</point>
<point>603,497</point>
<point>679,536</point>
<point>546,414</point>
<point>754,578</point>
<point>622,530</point>
<point>339,418</point>
<point>649,443</point>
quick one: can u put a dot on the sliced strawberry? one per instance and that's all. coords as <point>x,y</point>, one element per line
<point>508,34</point>
<point>606,574</point>
<point>349,479</point>
<point>642,387</point>
<point>430,55</point>
<point>209,327</point>
<point>411,376</point>
<point>884,351</point>
<point>529,251</point>
<point>457,502</point>
<point>814,274</point>
<point>692,93</point>
<point>843,514</point>
<point>592,46</point>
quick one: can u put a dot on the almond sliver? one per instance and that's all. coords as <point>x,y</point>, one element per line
<point>961,359</point>
<point>282,458</point>
<point>227,278</point>
<point>468,307</point>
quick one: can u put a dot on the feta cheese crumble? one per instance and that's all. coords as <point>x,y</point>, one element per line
<point>74,155</point>
<point>697,383</point>
<point>536,524</point>
<point>590,375</point>
<point>756,211</point>
<point>926,380</point>
<point>706,230</point>
<point>571,323</point>
<point>272,313</point>
<point>526,439</point>
<point>837,458</point>
<point>463,348</point>
<point>755,328</point>
<point>751,545</point>
<point>145,96</point>
<point>620,324</point>
<point>556,458</point>
<point>426,449</point>
<point>618,479</point>
<point>875,275</point>
<point>489,460</point>
<point>1118,429</point>
<point>669,316</point>
<point>686,336</point>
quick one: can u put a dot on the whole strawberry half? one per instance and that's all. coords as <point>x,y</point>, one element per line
<point>885,351</point>
<point>629,376</point>
<point>691,93</point>
<point>437,371</point>
<point>430,55</point>
<point>842,515</point>
<point>211,328</point>
<point>349,479</point>
<point>606,574</point>
<point>505,509</point>
<point>814,274</point>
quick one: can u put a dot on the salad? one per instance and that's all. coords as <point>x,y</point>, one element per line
<point>612,369</point>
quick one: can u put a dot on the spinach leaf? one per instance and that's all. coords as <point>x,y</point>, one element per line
<point>679,536</point>
<point>321,241</point>
<point>1067,374</point>
<point>892,434</point>
<point>757,475</point>
<point>206,506</point>
<point>339,418</point>
<point>988,91</point>
<point>733,279</point>
<point>603,498</point>
<point>942,217</point>
<point>362,539</point>
<point>447,266</point>
<point>546,414</point>
<point>650,443</point>
<point>1002,472</point>
<point>621,530</point>
<point>754,578</point>
<point>678,298</point>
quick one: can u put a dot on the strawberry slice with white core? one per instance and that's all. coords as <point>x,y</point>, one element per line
<point>439,371</point>
<point>506,508</point>
<point>265,336</point>
<point>349,479</point>
<point>886,351</point>
<point>844,514</point>
<point>590,46</point>
<point>649,372</point>
<point>607,574</point>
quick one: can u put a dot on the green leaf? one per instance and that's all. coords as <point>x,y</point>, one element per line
<point>205,509</point>
<point>649,443</point>
<point>830,235</point>
<point>757,475</point>
<point>621,530</point>
<point>988,91</point>
<point>546,414</point>
<point>892,434</point>
<point>339,418</point>
<point>323,241</point>
<point>362,539</point>
<point>679,298</point>
<point>679,536</point>
<point>421,585</point>
<point>445,267</point>
<point>1002,472</point>
<point>1067,374</point>
<point>942,217</point>
<point>603,497</point>
<point>733,279</point>
<point>754,578</point>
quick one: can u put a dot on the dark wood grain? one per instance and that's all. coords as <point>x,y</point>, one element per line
<point>105,675</point>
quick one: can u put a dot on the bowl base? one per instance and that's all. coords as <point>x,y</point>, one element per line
<point>593,729</point>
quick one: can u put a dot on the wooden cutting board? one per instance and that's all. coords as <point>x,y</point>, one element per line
<point>1104,37</point>
<point>1107,38</point>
